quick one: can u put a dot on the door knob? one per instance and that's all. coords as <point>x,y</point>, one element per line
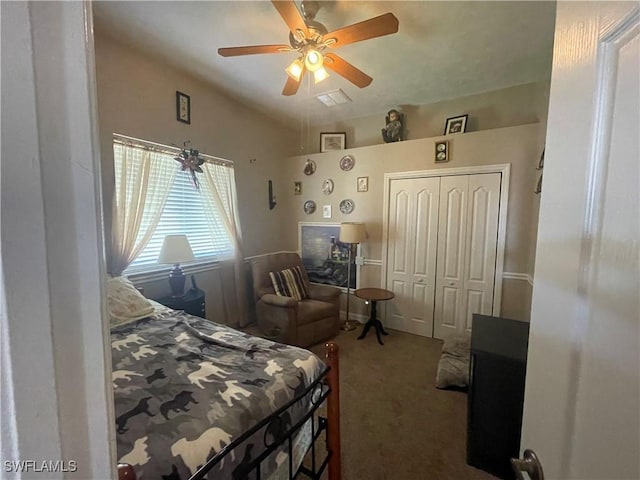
<point>529,463</point>
<point>451,284</point>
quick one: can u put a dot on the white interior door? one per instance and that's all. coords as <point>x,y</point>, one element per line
<point>582,398</point>
<point>467,242</point>
<point>452,234</point>
<point>483,206</point>
<point>411,255</point>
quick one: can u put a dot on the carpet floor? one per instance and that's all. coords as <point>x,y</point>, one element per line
<point>395,425</point>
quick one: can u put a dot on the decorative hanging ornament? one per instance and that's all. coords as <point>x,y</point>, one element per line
<point>190,160</point>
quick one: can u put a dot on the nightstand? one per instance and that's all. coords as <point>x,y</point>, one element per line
<point>191,302</point>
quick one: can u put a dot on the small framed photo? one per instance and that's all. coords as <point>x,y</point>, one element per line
<point>331,141</point>
<point>297,188</point>
<point>183,107</point>
<point>363,184</point>
<point>456,125</point>
<point>442,152</point>
<point>326,211</point>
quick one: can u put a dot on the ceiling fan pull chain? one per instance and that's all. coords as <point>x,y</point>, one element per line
<point>308,113</point>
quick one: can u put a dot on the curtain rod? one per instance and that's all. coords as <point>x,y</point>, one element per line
<point>168,149</point>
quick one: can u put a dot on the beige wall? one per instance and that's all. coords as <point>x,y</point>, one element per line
<point>136,97</point>
<point>519,146</point>
<point>518,105</point>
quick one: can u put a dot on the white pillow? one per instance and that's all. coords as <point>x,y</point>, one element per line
<point>125,302</point>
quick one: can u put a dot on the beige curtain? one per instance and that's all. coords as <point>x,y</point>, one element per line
<point>143,181</point>
<point>218,192</point>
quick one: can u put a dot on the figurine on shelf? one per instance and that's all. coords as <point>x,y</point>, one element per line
<point>392,132</point>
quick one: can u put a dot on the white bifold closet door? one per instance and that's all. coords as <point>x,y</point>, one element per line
<point>442,237</point>
<point>411,260</point>
<point>466,258</point>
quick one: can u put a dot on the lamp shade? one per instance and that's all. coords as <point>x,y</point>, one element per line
<point>175,249</point>
<point>352,232</point>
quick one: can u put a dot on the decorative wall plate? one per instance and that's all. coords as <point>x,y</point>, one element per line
<point>327,186</point>
<point>347,162</point>
<point>309,207</point>
<point>309,167</point>
<point>347,206</point>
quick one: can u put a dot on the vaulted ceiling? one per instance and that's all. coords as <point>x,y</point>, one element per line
<point>442,50</point>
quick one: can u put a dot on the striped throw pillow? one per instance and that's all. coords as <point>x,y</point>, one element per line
<point>289,283</point>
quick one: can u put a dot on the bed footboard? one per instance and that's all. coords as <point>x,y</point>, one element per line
<point>126,472</point>
<point>333,410</point>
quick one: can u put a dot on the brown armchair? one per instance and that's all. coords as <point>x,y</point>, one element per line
<point>302,323</point>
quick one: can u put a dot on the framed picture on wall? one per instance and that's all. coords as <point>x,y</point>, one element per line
<point>325,257</point>
<point>183,107</point>
<point>456,125</point>
<point>331,141</point>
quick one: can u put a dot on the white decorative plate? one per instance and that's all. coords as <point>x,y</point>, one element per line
<point>347,162</point>
<point>309,207</point>
<point>327,186</point>
<point>347,206</point>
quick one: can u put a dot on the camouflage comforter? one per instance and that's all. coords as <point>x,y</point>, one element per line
<point>186,387</point>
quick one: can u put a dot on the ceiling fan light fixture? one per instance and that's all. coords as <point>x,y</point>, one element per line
<point>313,60</point>
<point>320,75</point>
<point>294,70</point>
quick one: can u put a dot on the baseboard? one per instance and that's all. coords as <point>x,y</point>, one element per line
<point>369,261</point>
<point>518,276</point>
<point>353,316</point>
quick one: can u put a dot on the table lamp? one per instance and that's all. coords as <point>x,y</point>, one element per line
<point>351,232</point>
<point>176,250</point>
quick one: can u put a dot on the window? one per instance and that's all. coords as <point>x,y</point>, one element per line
<point>183,212</point>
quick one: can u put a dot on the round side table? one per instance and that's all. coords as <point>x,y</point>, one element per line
<point>374,295</point>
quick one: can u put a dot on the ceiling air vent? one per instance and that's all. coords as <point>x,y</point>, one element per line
<point>333,98</point>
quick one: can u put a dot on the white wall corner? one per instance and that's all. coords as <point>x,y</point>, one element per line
<point>50,175</point>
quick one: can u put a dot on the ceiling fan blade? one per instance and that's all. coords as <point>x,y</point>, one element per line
<point>348,71</point>
<point>372,28</point>
<point>292,85</point>
<point>291,16</point>
<point>253,50</point>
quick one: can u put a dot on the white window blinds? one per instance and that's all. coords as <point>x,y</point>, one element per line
<point>184,213</point>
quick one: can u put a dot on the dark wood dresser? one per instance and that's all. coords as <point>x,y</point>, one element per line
<point>496,393</point>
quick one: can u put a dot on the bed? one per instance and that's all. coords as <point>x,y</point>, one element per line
<point>195,399</point>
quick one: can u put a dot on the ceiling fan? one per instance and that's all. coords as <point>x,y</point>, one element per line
<point>310,39</point>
